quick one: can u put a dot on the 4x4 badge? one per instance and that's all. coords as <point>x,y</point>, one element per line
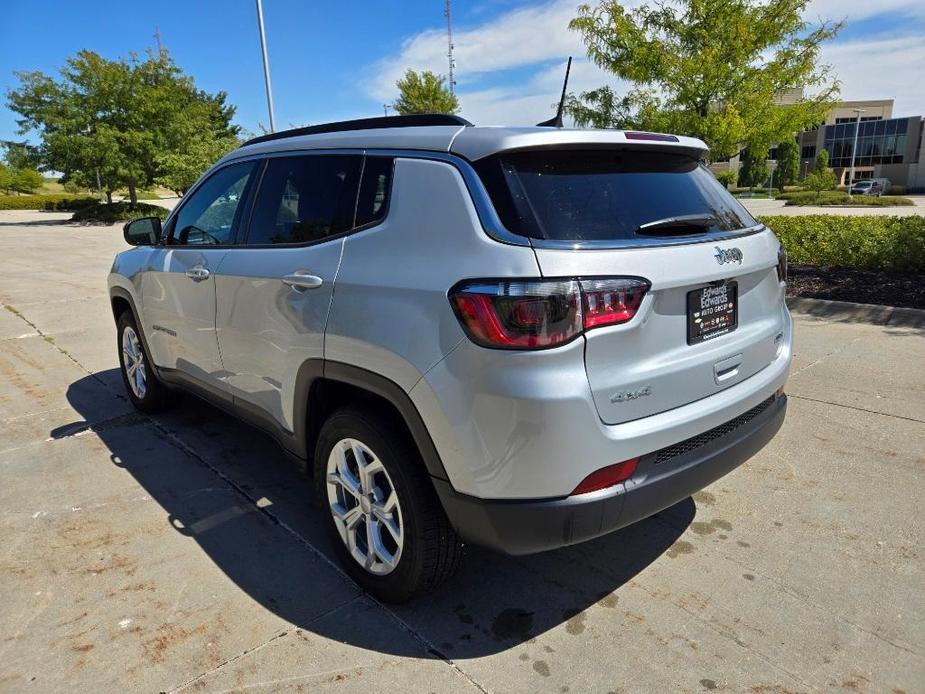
<point>728,255</point>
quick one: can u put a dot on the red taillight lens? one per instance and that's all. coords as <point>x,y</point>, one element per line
<point>611,301</point>
<point>519,315</point>
<point>538,314</point>
<point>607,477</point>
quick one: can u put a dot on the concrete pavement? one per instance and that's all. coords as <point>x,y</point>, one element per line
<point>179,552</point>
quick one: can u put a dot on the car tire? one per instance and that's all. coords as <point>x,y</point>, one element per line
<point>414,546</point>
<point>144,389</point>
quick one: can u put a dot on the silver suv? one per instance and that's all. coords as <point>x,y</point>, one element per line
<point>521,338</point>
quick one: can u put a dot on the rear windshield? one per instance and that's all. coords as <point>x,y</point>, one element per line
<point>604,195</point>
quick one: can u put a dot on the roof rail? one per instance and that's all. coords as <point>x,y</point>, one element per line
<point>410,121</point>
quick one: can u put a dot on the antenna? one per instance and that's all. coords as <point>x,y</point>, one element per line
<point>157,38</point>
<point>448,13</point>
<point>557,121</point>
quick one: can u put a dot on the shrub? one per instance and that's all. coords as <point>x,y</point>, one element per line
<point>838,198</point>
<point>727,178</point>
<point>866,243</point>
<point>820,180</point>
<point>764,191</point>
<point>103,213</point>
<point>60,201</point>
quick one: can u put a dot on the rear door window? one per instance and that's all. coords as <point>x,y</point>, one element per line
<point>606,195</point>
<point>374,190</point>
<point>303,199</point>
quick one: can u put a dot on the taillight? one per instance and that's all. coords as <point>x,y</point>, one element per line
<point>539,314</point>
<point>607,477</point>
<point>781,264</point>
<point>611,301</point>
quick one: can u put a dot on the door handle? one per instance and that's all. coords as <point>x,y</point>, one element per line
<point>300,281</point>
<point>198,273</point>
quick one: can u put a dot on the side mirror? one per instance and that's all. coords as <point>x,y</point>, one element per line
<point>142,232</point>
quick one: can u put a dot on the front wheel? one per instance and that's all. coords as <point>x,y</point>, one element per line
<point>383,516</point>
<point>145,391</point>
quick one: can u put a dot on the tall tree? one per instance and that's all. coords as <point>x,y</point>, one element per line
<point>713,68</point>
<point>25,180</point>
<point>822,160</point>
<point>424,92</point>
<point>754,169</point>
<point>788,163</point>
<point>117,118</point>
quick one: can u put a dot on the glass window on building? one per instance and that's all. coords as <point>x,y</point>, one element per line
<point>878,142</point>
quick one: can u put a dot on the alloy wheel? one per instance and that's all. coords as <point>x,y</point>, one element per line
<point>133,361</point>
<point>365,506</point>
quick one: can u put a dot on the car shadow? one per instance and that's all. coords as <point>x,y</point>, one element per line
<point>494,602</point>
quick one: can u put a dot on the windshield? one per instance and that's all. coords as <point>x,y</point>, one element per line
<point>863,184</point>
<point>591,195</point>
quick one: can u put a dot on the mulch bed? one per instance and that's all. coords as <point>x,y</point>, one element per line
<point>860,286</point>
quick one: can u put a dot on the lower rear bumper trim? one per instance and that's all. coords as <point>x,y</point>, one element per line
<point>529,526</point>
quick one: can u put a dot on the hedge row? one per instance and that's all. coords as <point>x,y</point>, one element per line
<point>866,243</point>
<point>834,197</point>
<point>101,213</point>
<point>57,201</point>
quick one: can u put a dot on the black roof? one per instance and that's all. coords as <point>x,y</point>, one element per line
<point>411,121</point>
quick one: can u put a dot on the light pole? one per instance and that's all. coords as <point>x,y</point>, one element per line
<point>854,147</point>
<point>266,66</point>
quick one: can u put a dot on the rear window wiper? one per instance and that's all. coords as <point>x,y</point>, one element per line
<point>677,226</point>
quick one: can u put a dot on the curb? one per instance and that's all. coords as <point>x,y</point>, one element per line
<point>848,312</point>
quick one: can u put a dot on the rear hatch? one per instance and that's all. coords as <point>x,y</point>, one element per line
<point>713,314</point>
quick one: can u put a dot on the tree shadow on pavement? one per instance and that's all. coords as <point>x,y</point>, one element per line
<point>232,490</point>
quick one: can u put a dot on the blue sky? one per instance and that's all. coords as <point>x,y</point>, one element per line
<point>333,60</point>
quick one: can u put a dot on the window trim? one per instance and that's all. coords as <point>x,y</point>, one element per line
<point>488,216</point>
<point>244,231</point>
<point>244,208</point>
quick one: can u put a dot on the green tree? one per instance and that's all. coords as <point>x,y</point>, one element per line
<point>21,155</point>
<point>6,178</point>
<point>754,169</point>
<point>822,161</point>
<point>116,119</point>
<point>25,180</point>
<point>822,177</point>
<point>180,168</point>
<point>424,92</point>
<point>600,108</point>
<point>727,178</point>
<point>712,68</point>
<point>788,163</point>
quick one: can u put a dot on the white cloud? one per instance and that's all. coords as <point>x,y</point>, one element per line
<point>520,37</point>
<point>856,10</point>
<point>536,40</point>
<point>881,69</point>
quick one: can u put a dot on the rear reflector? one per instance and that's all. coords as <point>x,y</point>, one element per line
<point>539,314</point>
<point>607,477</point>
<point>781,264</point>
<point>653,137</point>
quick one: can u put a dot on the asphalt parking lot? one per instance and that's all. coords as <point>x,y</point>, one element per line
<point>180,551</point>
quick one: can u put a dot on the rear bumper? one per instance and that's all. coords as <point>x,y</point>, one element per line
<point>662,479</point>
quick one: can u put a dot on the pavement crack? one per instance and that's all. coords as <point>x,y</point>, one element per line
<point>51,340</point>
<point>230,660</point>
<point>249,651</point>
<point>854,407</point>
<point>428,645</point>
<point>825,356</point>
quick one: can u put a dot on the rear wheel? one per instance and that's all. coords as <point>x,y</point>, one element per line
<point>145,391</point>
<point>383,516</point>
